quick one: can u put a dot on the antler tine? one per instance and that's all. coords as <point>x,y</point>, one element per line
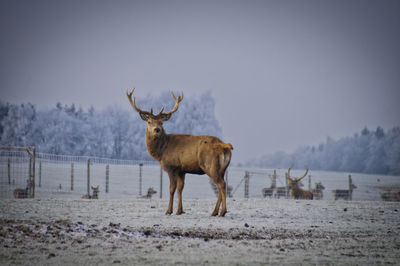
<point>133,103</point>
<point>304,174</point>
<point>162,110</point>
<point>288,172</point>
<point>177,101</point>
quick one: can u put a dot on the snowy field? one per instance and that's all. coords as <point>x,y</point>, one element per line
<point>254,231</point>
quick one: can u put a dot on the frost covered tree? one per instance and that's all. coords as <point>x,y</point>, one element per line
<point>18,125</point>
<point>365,152</point>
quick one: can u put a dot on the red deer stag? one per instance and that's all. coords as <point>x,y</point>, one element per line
<point>294,187</point>
<point>180,154</point>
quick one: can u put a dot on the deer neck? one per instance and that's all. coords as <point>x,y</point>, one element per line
<point>156,145</point>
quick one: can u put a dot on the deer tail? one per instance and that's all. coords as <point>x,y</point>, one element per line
<point>225,154</point>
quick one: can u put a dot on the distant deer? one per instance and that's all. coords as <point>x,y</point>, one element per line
<point>180,154</point>
<point>344,193</point>
<point>95,194</point>
<point>278,192</point>
<point>390,196</point>
<point>20,193</point>
<point>268,192</point>
<point>215,189</point>
<point>294,188</point>
<point>150,192</point>
<point>317,191</point>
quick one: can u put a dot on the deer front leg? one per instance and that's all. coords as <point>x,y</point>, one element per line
<point>180,185</point>
<point>172,188</point>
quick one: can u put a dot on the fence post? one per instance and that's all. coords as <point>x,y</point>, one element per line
<point>309,182</point>
<point>72,176</point>
<point>286,186</point>
<point>350,188</point>
<point>30,169</point>
<point>40,174</point>
<point>88,177</point>
<point>140,179</point>
<point>34,172</point>
<point>30,179</point>
<point>273,183</point>
<point>107,177</point>
<point>246,184</point>
<point>9,171</point>
<point>161,174</point>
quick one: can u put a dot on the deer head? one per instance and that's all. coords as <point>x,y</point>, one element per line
<point>294,182</point>
<point>154,122</point>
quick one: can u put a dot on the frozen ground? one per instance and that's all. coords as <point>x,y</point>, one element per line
<point>254,231</point>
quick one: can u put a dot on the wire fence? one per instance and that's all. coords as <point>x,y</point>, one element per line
<point>61,176</point>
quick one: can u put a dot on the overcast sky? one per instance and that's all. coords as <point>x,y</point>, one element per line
<point>283,73</point>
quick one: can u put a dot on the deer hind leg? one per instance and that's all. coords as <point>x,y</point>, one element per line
<point>222,190</point>
<point>221,197</point>
<point>180,185</point>
<point>216,210</point>
<point>172,188</point>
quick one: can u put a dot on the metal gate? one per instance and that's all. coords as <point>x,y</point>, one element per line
<point>17,172</point>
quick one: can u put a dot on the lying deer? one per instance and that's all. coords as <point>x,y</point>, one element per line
<point>150,192</point>
<point>278,192</point>
<point>95,194</point>
<point>180,154</point>
<point>344,193</point>
<point>20,193</point>
<point>294,188</point>
<point>267,192</point>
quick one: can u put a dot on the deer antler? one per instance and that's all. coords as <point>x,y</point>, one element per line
<point>161,115</point>
<point>166,116</point>
<point>299,178</point>
<point>143,114</point>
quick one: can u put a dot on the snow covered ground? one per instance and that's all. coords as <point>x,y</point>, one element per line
<point>254,231</point>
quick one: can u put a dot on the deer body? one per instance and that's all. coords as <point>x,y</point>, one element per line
<point>95,194</point>
<point>187,152</point>
<point>180,154</point>
<point>20,193</point>
<point>344,193</point>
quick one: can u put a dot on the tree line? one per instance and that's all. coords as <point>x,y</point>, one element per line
<point>370,151</point>
<point>114,132</point>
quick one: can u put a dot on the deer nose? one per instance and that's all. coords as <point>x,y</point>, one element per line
<point>157,130</point>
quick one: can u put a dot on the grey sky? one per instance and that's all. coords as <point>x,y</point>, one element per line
<point>283,73</point>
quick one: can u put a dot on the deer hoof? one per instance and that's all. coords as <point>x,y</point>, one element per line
<point>180,212</point>
<point>168,212</point>
<point>222,214</point>
<point>215,213</point>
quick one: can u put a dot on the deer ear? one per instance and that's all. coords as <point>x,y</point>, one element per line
<point>165,117</point>
<point>144,116</point>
